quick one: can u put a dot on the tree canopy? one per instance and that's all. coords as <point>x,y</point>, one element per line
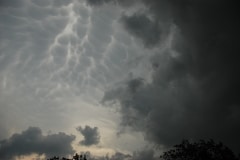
<point>201,150</point>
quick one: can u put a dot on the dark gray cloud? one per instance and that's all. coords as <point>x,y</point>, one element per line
<point>195,93</point>
<point>60,3</point>
<point>91,135</point>
<point>125,3</point>
<point>97,2</point>
<point>32,141</point>
<point>13,3</point>
<point>56,3</point>
<point>142,27</point>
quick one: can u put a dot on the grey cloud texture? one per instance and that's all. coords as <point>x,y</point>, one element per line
<point>194,92</point>
<point>13,3</point>
<point>97,2</point>
<point>143,28</point>
<point>91,135</point>
<point>125,3</point>
<point>60,56</point>
<point>55,3</point>
<point>33,141</point>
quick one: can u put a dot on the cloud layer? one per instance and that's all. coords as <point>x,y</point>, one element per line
<point>32,141</point>
<point>170,66</point>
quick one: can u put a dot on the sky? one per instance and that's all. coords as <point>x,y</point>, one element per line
<point>117,79</point>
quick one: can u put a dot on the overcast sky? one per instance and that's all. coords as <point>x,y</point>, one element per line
<point>118,79</point>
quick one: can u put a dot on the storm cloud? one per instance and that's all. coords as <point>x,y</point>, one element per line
<point>169,67</point>
<point>194,90</point>
<point>91,135</point>
<point>33,141</point>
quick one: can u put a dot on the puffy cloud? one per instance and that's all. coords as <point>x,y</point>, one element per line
<point>91,135</point>
<point>33,141</point>
<point>195,84</point>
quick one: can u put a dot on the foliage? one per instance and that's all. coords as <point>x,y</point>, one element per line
<point>201,150</point>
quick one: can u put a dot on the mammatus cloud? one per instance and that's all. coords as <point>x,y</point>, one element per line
<point>58,57</point>
<point>57,54</point>
<point>32,141</point>
<point>91,135</point>
<point>194,92</point>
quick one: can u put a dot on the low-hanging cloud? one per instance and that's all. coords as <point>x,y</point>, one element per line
<point>194,92</point>
<point>33,141</point>
<point>91,135</point>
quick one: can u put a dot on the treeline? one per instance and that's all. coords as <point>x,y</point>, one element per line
<point>200,150</point>
<point>75,157</point>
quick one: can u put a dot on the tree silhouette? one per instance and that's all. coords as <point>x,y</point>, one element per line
<point>201,150</point>
<point>75,157</point>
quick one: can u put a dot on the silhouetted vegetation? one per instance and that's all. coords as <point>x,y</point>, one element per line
<point>75,157</point>
<point>201,150</point>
